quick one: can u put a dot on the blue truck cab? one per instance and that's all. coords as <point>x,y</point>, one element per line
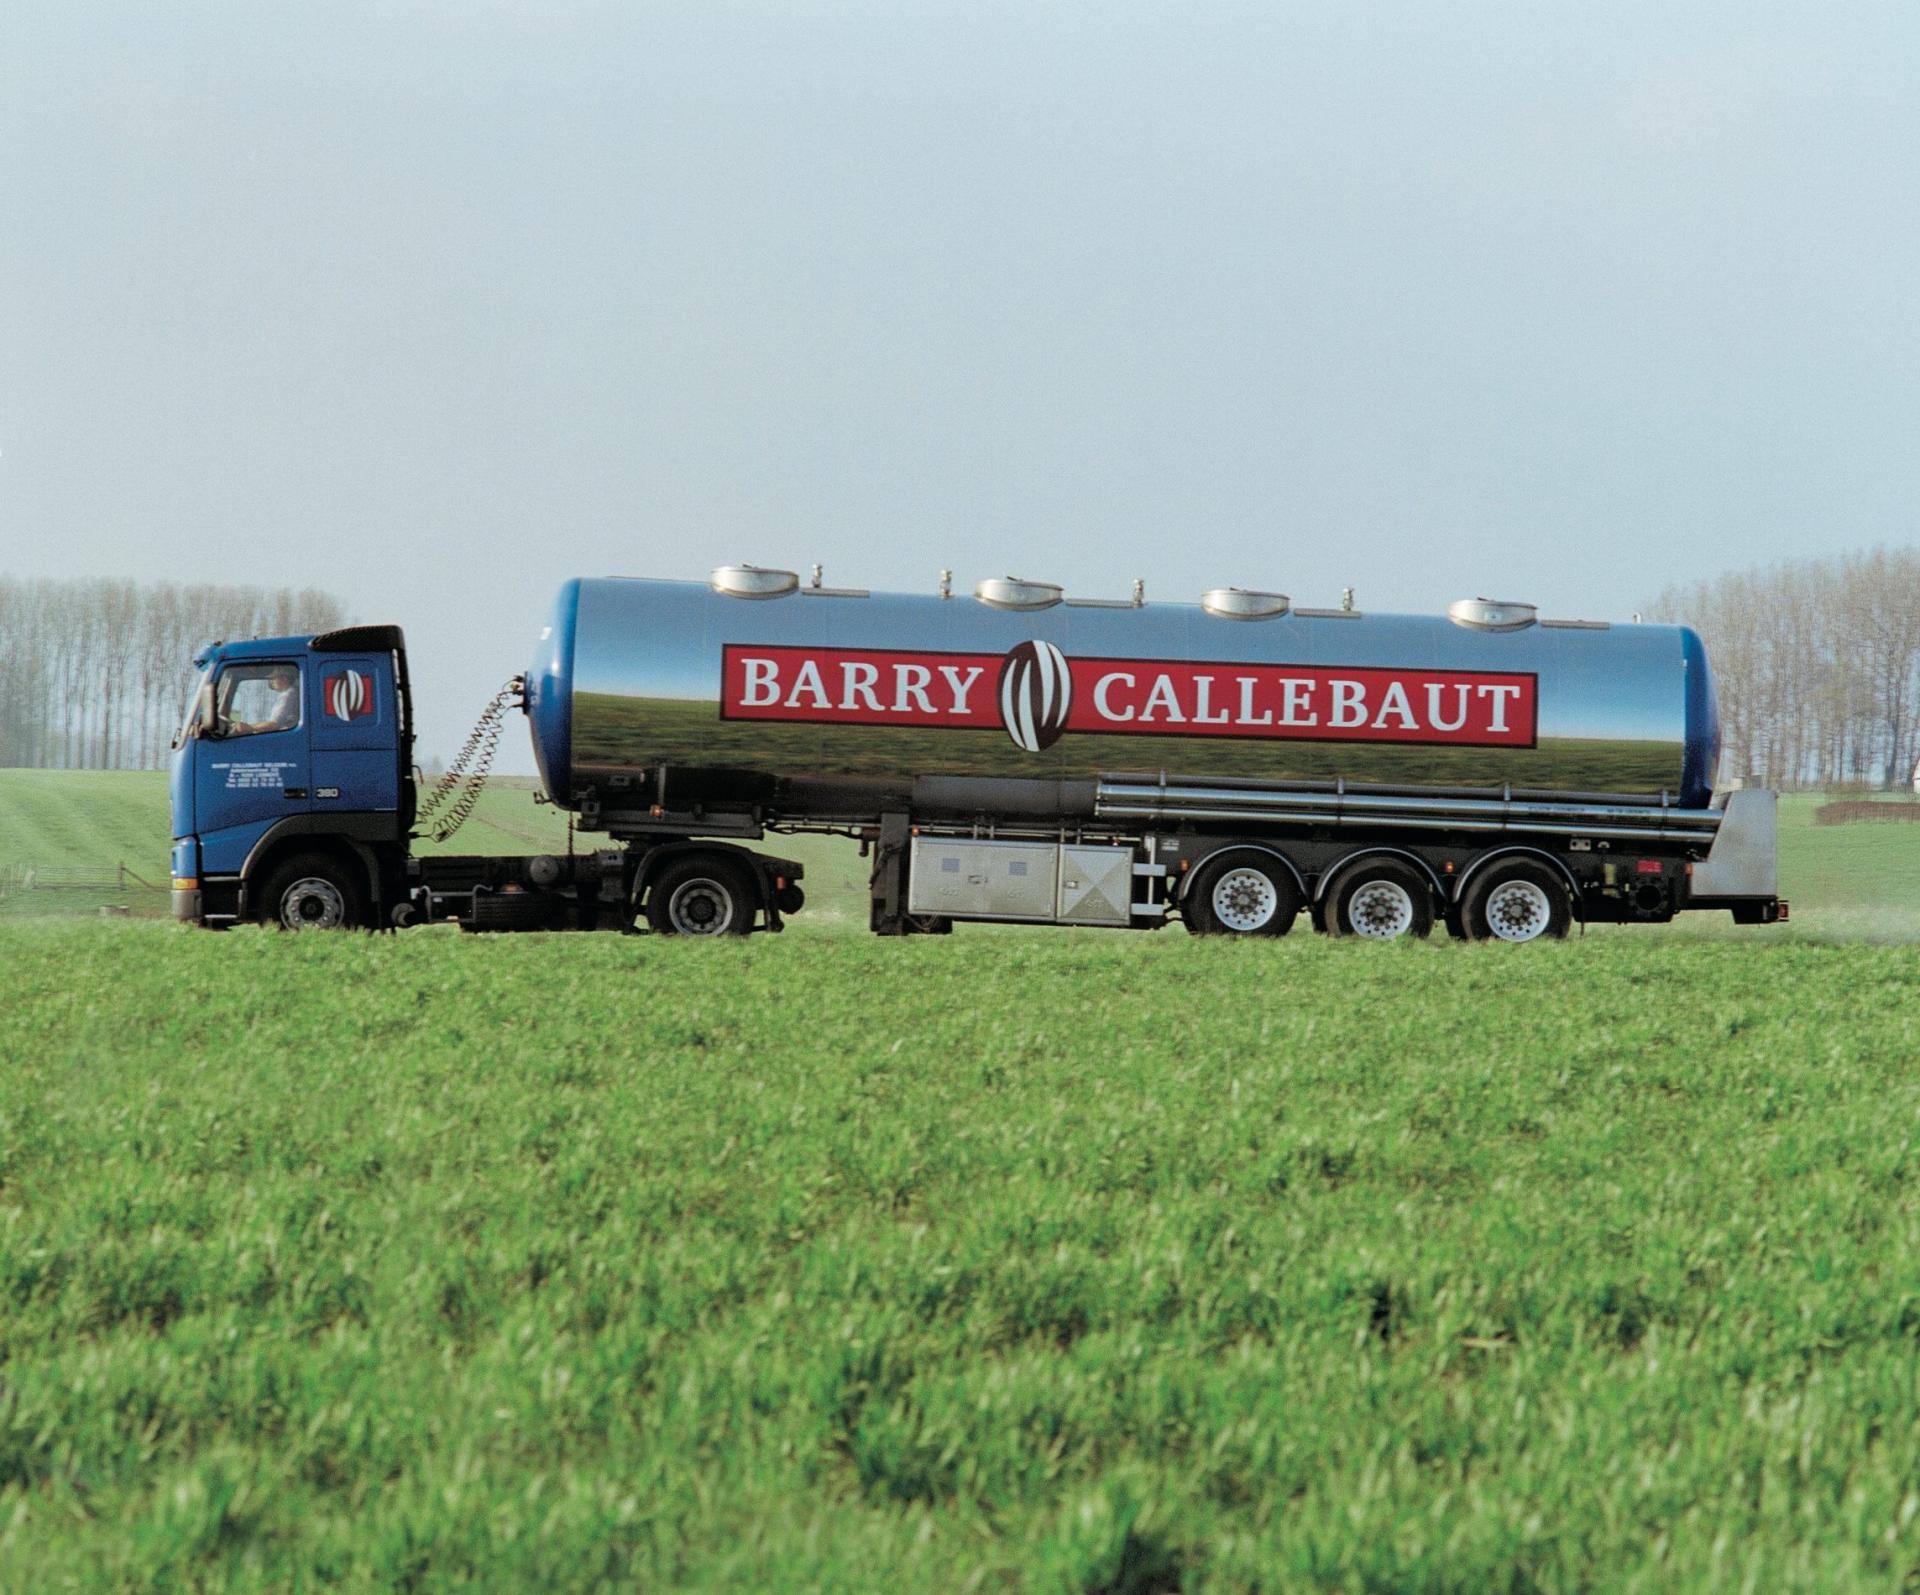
<point>294,804</point>
<point>294,763</point>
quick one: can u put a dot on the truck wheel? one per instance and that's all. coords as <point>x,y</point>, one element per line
<point>313,892</point>
<point>1240,894</point>
<point>706,895</point>
<point>1380,899</point>
<point>1517,901</point>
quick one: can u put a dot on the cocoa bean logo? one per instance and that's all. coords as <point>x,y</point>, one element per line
<point>347,696</point>
<point>1036,691</point>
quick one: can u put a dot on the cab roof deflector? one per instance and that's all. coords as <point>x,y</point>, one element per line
<point>359,639</point>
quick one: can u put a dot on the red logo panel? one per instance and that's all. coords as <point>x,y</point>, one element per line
<point>347,696</point>
<point>1036,694</point>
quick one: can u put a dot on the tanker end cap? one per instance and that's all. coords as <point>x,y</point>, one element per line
<point>1491,614</point>
<point>753,581</point>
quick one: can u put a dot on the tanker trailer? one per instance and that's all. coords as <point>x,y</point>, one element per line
<point>1021,756</point>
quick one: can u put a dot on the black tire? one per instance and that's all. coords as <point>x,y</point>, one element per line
<point>1379,898</point>
<point>1240,894</point>
<point>703,894</point>
<point>1516,900</point>
<point>312,891</point>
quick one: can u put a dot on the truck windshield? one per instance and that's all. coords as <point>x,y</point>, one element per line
<point>190,720</point>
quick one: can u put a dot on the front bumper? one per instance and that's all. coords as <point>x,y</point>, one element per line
<point>186,904</point>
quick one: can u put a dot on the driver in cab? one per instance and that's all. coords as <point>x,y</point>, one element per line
<point>274,700</point>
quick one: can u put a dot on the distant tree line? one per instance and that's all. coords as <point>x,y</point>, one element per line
<point>1818,664</point>
<point>94,673</point>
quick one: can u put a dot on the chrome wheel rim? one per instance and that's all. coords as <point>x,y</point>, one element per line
<point>1244,900</point>
<point>1380,910</point>
<point>700,908</point>
<point>1518,911</point>
<point>314,903</point>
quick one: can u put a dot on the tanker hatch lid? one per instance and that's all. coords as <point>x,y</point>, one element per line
<point>753,581</point>
<point>1009,592</point>
<point>1491,614</point>
<point>1243,603</point>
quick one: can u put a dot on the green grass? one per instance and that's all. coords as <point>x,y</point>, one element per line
<point>95,820</point>
<point>1858,881</point>
<point>1031,1261</point>
<point>1849,882</point>
<point>85,819</point>
<point>1016,1260</point>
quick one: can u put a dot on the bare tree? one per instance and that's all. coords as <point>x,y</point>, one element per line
<point>95,670</point>
<point>1818,665</point>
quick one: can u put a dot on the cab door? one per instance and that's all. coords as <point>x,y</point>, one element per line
<point>355,719</point>
<point>252,765</point>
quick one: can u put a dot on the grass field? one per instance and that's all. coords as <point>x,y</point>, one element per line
<point>97,819</point>
<point>1846,883</point>
<point>1023,1262</point>
<point>1016,1260</point>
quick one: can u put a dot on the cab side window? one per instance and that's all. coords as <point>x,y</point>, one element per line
<point>253,699</point>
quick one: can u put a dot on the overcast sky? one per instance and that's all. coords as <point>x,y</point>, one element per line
<point>436,305</point>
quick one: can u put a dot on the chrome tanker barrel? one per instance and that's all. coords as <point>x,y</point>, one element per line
<point>757,679</point>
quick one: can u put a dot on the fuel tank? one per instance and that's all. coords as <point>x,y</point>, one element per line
<point>756,676</point>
